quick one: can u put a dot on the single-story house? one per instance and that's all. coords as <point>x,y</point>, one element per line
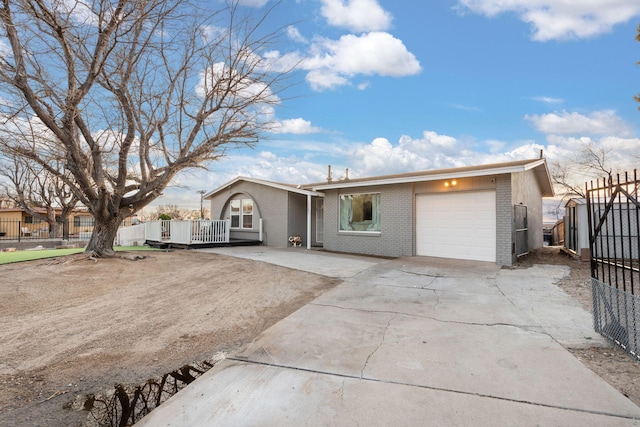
<point>15,222</point>
<point>488,213</point>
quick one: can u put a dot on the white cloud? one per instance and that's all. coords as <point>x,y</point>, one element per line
<point>356,15</point>
<point>548,100</point>
<point>297,126</point>
<point>252,3</point>
<point>431,151</point>
<point>333,62</point>
<point>260,94</point>
<point>604,122</point>
<point>561,19</point>
<point>464,107</point>
<point>294,34</point>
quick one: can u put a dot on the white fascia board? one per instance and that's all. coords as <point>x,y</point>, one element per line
<point>265,183</point>
<point>534,164</point>
<point>421,178</point>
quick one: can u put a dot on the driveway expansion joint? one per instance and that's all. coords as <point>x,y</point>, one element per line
<point>527,328</point>
<point>434,388</point>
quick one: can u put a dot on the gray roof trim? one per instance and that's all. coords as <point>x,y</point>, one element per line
<point>542,175</point>
<point>279,186</point>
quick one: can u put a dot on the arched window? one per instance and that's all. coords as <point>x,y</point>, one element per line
<point>241,213</point>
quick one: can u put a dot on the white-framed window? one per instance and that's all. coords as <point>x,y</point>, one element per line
<point>247,213</point>
<point>241,213</point>
<point>360,212</point>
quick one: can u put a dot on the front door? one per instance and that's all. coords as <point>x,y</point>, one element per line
<point>319,220</point>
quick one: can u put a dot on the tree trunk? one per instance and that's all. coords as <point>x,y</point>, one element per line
<point>51,222</point>
<point>65,226</point>
<point>103,236</point>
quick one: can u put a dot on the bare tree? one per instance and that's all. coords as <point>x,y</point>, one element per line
<point>34,189</point>
<point>569,176</point>
<point>173,211</point>
<point>637,97</point>
<point>128,93</point>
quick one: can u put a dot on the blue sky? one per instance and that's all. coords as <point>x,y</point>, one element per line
<point>389,86</point>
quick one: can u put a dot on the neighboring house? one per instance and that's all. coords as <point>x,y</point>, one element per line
<point>486,213</point>
<point>17,221</point>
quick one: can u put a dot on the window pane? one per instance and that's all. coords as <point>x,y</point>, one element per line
<point>235,206</point>
<point>235,220</point>
<point>247,221</point>
<point>360,212</point>
<point>247,207</point>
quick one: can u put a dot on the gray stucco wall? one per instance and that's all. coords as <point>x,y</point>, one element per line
<point>297,216</point>
<point>396,223</point>
<point>270,204</point>
<point>525,190</point>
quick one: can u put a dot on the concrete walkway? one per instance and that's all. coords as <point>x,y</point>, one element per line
<point>406,342</point>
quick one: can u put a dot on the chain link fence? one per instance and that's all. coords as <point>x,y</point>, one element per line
<point>616,316</point>
<point>614,224</point>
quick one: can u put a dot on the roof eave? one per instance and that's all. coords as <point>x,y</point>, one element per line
<point>283,187</point>
<point>422,178</point>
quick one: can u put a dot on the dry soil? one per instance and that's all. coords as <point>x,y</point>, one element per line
<point>79,327</point>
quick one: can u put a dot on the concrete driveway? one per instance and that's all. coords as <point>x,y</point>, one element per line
<point>410,341</point>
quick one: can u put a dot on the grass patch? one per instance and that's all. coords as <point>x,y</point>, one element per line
<point>20,256</point>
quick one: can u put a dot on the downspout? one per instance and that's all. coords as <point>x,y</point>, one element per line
<point>308,221</point>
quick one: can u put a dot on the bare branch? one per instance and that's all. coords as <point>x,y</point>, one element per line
<point>113,98</point>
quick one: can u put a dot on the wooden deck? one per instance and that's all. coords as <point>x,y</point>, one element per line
<point>201,245</point>
<point>189,234</point>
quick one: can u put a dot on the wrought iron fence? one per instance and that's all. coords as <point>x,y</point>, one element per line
<point>31,228</point>
<point>614,222</point>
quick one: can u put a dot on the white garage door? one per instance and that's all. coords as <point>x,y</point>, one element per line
<point>457,225</point>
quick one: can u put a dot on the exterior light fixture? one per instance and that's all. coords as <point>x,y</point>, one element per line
<point>454,182</point>
<point>446,183</point>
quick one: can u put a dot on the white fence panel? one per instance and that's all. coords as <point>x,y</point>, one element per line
<point>180,232</point>
<point>153,230</point>
<point>131,236</point>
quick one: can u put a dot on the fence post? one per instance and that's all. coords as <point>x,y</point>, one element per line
<point>19,230</point>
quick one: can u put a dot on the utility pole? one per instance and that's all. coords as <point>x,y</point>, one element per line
<point>201,192</point>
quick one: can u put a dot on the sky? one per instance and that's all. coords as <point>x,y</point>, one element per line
<point>387,86</point>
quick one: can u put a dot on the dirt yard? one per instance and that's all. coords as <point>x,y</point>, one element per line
<point>78,328</point>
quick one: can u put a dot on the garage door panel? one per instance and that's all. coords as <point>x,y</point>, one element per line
<point>457,225</point>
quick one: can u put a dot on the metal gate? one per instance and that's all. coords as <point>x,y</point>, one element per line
<point>614,221</point>
<point>522,230</point>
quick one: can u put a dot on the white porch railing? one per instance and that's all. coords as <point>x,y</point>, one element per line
<point>188,232</point>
